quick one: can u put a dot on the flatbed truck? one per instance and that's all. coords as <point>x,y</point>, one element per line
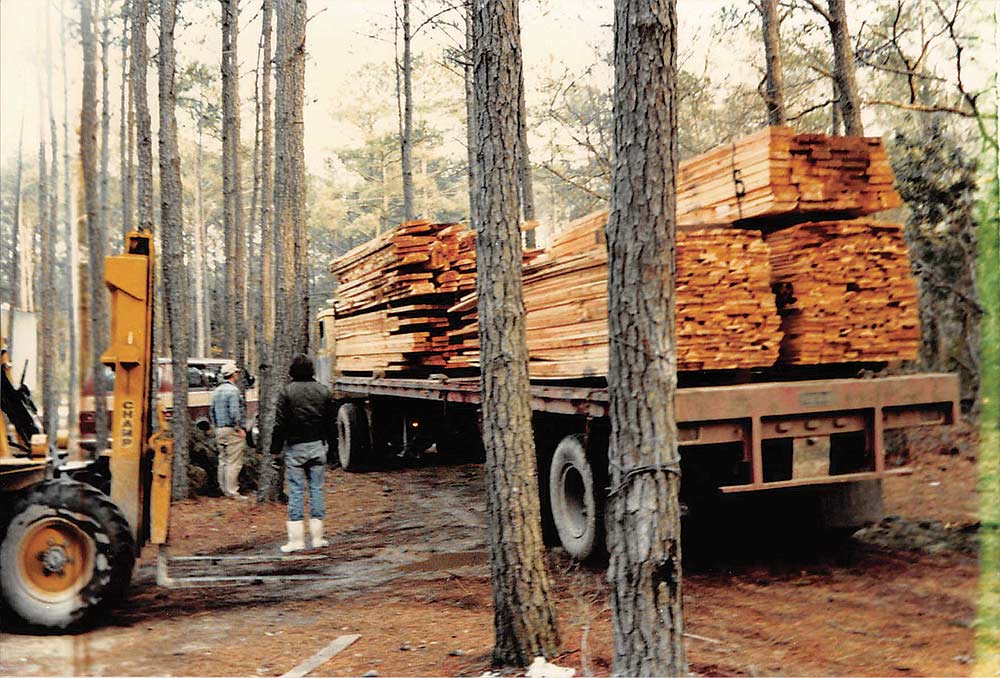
<point>824,438</point>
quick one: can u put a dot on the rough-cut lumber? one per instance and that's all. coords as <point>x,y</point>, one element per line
<point>392,298</point>
<point>725,313</point>
<point>845,293</point>
<point>778,175</point>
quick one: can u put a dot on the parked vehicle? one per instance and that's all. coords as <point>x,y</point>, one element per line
<point>203,376</point>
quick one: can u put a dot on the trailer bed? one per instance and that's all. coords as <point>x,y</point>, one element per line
<point>748,414</point>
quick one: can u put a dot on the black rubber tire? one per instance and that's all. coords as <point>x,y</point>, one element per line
<point>577,501</point>
<point>105,531</point>
<point>352,438</point>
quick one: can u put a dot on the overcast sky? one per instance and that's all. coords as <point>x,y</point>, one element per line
<point>556,34</point>
<point>339,40</point>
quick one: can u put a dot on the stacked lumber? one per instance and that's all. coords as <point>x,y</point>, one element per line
<point>725,312</point>
<point>463,335</point>
<point>393,295</point>
<point>845,292</point>
<point>784,175</point>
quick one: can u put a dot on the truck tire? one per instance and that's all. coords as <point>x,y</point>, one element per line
<point>352,437</point>
<point>577,504</point>
<point>67,555</point>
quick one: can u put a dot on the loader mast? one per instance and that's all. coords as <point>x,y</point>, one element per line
<point>129,278</point>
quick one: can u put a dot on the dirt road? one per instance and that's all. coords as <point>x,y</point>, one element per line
<point>406,570</point>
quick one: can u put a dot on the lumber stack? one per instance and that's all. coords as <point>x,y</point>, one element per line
<point>783,175</point>
<point>725,312</point>
<point>845,292</point>
<point>393,295</point>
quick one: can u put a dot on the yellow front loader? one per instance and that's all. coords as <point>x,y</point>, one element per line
<point>67,550</point>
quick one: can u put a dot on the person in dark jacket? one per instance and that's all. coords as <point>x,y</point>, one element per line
<point>304,428</point>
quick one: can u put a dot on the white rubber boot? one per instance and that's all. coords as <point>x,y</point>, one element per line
<point>296,540</point>
<point>316,532</point>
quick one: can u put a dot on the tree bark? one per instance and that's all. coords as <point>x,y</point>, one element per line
<point>470,109</point>
<point>235,341</point>
<point>409,212</point>
<point>843,69</point>
<point>202,323</point>
<point>46,283</point>
<point>126,129</point>
<point>265,337</point>
<point>18,291</point>
<point>644,466</point>
<point>72,259</point>
<point>50,293</point>
<point>523,615</point>
<point>143,124</point>
<point>96,237</point>
<point>774,93</point>
<point>105,118</point>
<point>172,225</point>
<point>836,119</point>
<point>289,217</point>
<point>524,164</point>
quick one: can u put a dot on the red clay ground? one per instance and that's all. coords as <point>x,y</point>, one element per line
<point>406,570</point>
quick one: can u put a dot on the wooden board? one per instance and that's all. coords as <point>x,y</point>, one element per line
<point>845,292</point>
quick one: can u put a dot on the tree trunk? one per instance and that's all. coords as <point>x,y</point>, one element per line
<point>140,101</point>
<point>72,260</point>
<point>198,255</point>
<point>18,290</point>
<point>268,245</point>
<point>235,340</point>
<point>409,213</point>
<point>470,109</point>
<point>836,119</point>
<point>843,69</point>
<point>46,328</point>
<point>254,258</point>
<point>644,466</point>
<point>52,220</point>
<point>774,93</point>
<point>289,217</point>
<point>96,237</point>
<point>524,164</point>
<point>172,226</point>
<point>125,130</point>
<point>105,118</point>
<point>523,615</point>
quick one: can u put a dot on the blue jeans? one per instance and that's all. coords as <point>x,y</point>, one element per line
<point>305,462</point>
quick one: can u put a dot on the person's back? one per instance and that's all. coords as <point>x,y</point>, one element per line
<point>307,411</point>
<point>304,428</point>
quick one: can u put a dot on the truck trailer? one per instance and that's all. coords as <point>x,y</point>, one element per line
<point>825,438</point>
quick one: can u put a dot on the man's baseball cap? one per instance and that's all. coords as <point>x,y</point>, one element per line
<point>229,369</point>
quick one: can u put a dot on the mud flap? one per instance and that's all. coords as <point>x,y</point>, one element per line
<point>846,505</point>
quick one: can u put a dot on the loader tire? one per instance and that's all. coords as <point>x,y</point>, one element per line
<point>577,500</point>
<point>352,438</point>
<point>67,555</point>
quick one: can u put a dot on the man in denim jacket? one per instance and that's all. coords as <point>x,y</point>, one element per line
<point>227,417</point>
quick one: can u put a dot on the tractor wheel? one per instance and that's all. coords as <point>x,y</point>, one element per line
<point>67,555</point>
<point>352,437</point>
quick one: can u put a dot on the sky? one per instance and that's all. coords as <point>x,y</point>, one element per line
<point>341,36</point>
